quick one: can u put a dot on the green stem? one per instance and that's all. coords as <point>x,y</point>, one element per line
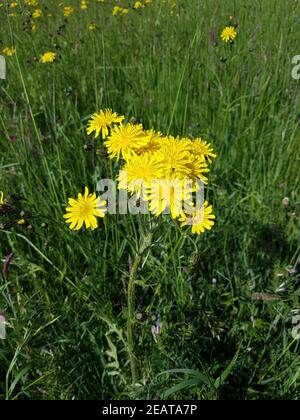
<point>145,243</point>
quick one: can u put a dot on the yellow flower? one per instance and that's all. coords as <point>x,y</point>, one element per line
<point>37,14</point>
<point>48,57</point>
<point>196,169</point>
<point>228,34</point>
<point>138,173</point>
<point>202,149</point>
<point>200,219</point>
<point>31,2</point>
<point>125,140</point>
<point>138,5</point>
<point>175,155</point>
<point>102,121</point>
<point>34,27</point>
<point>92,26</point>
<point>9,52</point>
<point>84,210</point>
<point>68,11</point>
<point>117,10</point>
<point>170,196</point>
<point>13,5</point>
<point>154,143</point>
<point>84,5</point>
<point>1,197</point>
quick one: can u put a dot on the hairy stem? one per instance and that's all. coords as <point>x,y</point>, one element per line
<point>145,243</point>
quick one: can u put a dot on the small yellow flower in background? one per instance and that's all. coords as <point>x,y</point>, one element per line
<point>92,26</point>
<point>48,57</point>
<point>138,5</point>
<point>117,10</point>
<point>34,27</point>
<point>21,222</point>
<point>228,34</point>
<point>9,52</point>
<point>13,5</point>
<point>31,2</point>
<point>68,11</point>
<point>102,121</point>
<point>200,219</point>
<point>84,5</point>
<point>85,210</point>
<point>124,140</point>
<point>1,197</point>
<point>37,14</point>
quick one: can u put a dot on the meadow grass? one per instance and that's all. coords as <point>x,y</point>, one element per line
<point>65,294</point>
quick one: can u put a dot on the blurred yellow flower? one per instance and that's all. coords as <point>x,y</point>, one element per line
<point>228,34</point>
<point>92,26</point>
<point>31,2</point>
<point>68,11</point>
<point>84,5</point>
<point>48,57</point>
<point>138,5</point>
<point>9,52</point>
<point>37,14</point>
<point>117,10</point>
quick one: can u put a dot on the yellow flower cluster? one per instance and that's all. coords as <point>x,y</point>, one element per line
<point>163,170</point>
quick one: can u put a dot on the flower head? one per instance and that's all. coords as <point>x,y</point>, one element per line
<point>102,121</point>
<point>1,197</point>
<point>200,219</point>
<point>125,140</point>
<point>48,57</point>
<point>175,155</point>
<point>138,173</point>
<point>228,34</point>
<point>202,149</point>
<point>153,144</point>
<point>170,196</point>
<point>84,210</point>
